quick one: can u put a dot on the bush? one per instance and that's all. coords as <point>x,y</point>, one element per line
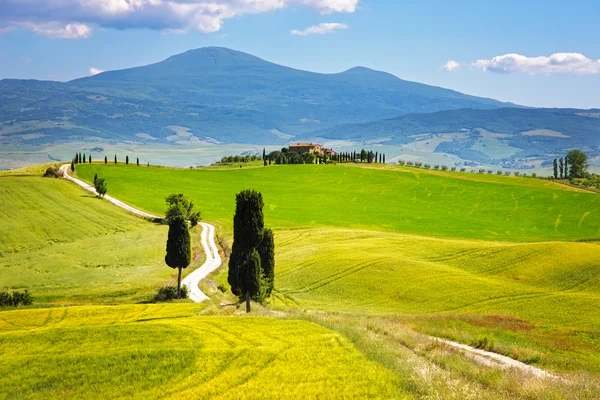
<point>498,172</point>
<point>410,163</point>
<point>463,169</point>
<point>427,166</point>
<point>418,164</point>
<point>453,169</point>
<point>534,175</point>
<point>436,167</point>
<point>222,288</point>
<point>168,293</point>
<point>481,171</point>
<point>444,168</point>
<point>15,298</point>
<point>52,172</point>
<point>507,173</point>
<point>516,173</point>
<point>489,171</point>
<point>401,162</point>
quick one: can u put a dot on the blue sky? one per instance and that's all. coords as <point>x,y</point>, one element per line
<point>64,39</point>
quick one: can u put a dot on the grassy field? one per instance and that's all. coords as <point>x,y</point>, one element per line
<point>69,247</point>
<point>405,200</point>
<point>536,302</point>
<point>165,352</point>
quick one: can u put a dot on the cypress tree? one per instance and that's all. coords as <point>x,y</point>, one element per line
<point>264,157</point>
<point>266,249</point>
<point>567,168</point>
<point>248,231</point>
<point>137,162</point>
<point>115,158</point>
<point>90,158</point>
<point>72,166</point>
<point>126,160</point>
<point>79,159</point>
<point>376,157</point>
<point>179,250</point>
<point>105,160</point>
<point>555,165</point>
<point>84,158</point>
<point>561,167</point>
<point>95,179</point>
<point>384,158</point>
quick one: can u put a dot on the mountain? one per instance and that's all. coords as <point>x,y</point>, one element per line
<point>213,94</point>
<point>483,135</point>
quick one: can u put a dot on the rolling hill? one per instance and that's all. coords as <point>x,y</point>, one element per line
<point>218,95</point>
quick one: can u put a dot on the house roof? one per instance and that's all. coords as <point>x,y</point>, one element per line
<point>304,145</point>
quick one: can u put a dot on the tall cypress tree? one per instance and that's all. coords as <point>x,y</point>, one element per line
<point>90,158</point>
<point>555,166</point>
<point>567,174</point>
<point>126,160</point>
<point>561,167</point>
<point>105,160</point>
<point>115,158</point>
<point>79,159</point>
<point>73,165</point>
<point>384,158</point>
<point>137,161</point>
<point>264,157</point>
<point>376,155</point>
<point>84,158</point>
<point>179,250</point>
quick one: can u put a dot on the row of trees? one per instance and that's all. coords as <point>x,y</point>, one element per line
<point>453,169</point>
<point>246,158</point>
<point>573,166</point>
<point>79,159</point>
<point>15,298</point>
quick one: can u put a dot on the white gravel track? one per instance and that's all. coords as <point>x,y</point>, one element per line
<point>213,259</point>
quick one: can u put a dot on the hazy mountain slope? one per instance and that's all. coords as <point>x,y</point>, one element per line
<point>534,132</point>
<point>219,93</point>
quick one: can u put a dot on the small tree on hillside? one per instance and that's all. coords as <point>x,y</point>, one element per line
<point>90,158</point>
<point>100,186</point>
<point>579,164</point>
<point>115,158</point>
<point>178,204</point>
<point>105,160</point>
<point>73,166</point>
<point>264,157</point>
<point>555,165</point>
<point>84,158</point>
<point>126,160</point>
<point>179,250</point>
<point>137,161</point>
<point>95,179</point>
<point>79,158</point>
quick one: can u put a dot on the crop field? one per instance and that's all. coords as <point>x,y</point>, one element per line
<point>68,247</point>
<point>152,352</point>
<point>537,302</point>
<point>407,200</point>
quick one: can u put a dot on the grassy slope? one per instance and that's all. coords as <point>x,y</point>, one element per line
<point>67,246</point>
<point>151,352</point>
<point>403,200</point>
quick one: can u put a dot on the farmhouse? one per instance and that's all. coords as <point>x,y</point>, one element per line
<point>310,148</point>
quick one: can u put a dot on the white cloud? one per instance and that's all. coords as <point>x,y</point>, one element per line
<point>451,66</point>
<point>320,29</point>
<point>94,71</point>
<point>556,63</point>
<point>74,19</point>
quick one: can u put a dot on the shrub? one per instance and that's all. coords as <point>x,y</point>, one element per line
<point>507,173</point>
<point>534,175</point>
<point>481,170</point>
<point>463,169</point>
<point>168,293</point>
<point>436,167</point>
<point>52,172</point>
<point>444,168</point>
<point>489,171</point>
<point>418,164</point>
<point>401,162</point>
<point>410,163</point>
<point>15,298</point>
<point>498,172</point>
<point>453,169</point>
<point>427,166</point>
<point>222,288</point>
<point>516,173</point>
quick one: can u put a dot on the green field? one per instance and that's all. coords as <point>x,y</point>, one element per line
<point>69,247</point>
<point>386,199</point>
<point>375,255</point>
<point>165,352</point>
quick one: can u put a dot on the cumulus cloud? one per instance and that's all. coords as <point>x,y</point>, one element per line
<point>451,66</point>
<point>320,29</point>
<point>95,71</point>
<point>74,19</point>
<point>556,63</point>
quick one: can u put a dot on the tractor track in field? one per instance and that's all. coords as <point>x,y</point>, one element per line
<point>213,259</point>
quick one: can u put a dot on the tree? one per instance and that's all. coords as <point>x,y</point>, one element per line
<point>79,158</point>
<point>179,250</point>
<point>137,161</point>
<point>73,166</point>
<point>247,275</point>
<point>561,166</point>
<point>555,165</point>
<point>264,157</point>
<point>90,158</point>
<point>266,249</point>
<point>84,158</point>
<point>126,160</point>
<point>376,155</point>
<point>384,158</point>
<point>180,206</point>
<point>100,186</point>
<point>115,158</point>
<point>105,160</point>
<point>579,164</point>
<point>95,179</point>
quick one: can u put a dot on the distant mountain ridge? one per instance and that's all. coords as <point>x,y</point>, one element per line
<point>214,94</point>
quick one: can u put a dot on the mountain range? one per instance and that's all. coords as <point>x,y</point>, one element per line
<point>220,95</point>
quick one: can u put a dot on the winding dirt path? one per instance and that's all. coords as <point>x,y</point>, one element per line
<point>213,259</point>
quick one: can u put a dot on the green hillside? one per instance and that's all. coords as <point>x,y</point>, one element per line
<point>407,200</point>
<point>165,352</point>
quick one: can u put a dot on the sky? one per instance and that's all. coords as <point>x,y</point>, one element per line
<point>529,52</point>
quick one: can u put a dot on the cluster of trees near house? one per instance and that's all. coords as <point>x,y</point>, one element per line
<point>246,158</point>
<point>574,167</point>
<point>285,156</point>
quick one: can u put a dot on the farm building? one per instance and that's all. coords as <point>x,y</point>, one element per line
<point>310,148</point>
